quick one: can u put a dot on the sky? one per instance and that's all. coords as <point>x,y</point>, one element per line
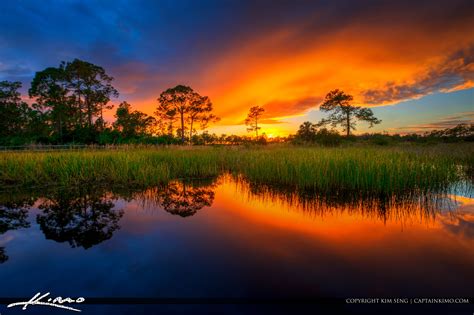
<point>412,62</point>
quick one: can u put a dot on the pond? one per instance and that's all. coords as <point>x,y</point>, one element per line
<point>224,238</point>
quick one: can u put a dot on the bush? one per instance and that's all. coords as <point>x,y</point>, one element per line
<point>379,139</point>
<point>328,138</point>
<point>309,134</point>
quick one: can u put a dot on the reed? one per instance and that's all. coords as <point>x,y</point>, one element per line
<point>369,169</point>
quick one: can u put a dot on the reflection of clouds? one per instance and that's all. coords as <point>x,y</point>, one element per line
<point>446,205</point>
<point>461,221</point>
<point>13,215</point>
<point>5,239</point>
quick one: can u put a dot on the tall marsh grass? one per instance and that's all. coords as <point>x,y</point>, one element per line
<point>366,169</point>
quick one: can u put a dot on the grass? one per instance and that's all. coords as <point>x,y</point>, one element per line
<point>363,169</point>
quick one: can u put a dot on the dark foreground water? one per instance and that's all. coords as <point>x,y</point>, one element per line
<point>221,244</point>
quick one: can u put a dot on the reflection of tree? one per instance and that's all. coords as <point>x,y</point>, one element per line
<point>183,200</point>
<point>180,198</point>
<point>81,218</point>
<point>3,256</point>
<point>13,215</point>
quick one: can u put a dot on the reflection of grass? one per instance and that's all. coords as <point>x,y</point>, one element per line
<point>406,207</point>
<point>368,169</point>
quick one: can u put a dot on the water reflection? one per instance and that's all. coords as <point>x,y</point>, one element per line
<point>83,217</point>
<point>397,207</point>
<point>183,198</point>
<point>460,222</point>
<point>87,216</point>
<point>248,240</point>
<point>13,215</point>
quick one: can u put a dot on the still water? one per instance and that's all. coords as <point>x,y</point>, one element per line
<point>225,238</point>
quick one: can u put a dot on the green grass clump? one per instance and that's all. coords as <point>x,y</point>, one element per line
<point>344,169</point>
<point>368,169</point>
<point>132,167</point>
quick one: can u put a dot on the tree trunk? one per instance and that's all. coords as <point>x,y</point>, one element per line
<point>61,129</point>
<point>348,125</point>
<point>170,128</point>
<point>102,127</point>
<point>191,131</point>
<point>256,127</point>
<point>182,126</point>
<point>89,112</point>
<point>80,109</point>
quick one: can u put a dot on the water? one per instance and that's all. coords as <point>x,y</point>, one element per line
<point>225,238</point>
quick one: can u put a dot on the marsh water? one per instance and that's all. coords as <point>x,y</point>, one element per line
<point>226,238</point>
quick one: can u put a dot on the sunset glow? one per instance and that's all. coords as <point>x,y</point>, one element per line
<point>283,56</point>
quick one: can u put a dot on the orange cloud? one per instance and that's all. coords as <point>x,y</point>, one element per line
<point>382,53</point>
<point>453,73</point>
<point>377,62</point>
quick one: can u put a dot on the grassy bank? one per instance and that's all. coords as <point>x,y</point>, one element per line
<point>367,168</point>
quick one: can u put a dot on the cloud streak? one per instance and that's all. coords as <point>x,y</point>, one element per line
<point>456,71</point>
<point>442,123</point>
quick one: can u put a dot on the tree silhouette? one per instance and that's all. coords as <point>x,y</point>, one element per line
<point>176,102</point>
<point>91,89</point>
<point>307,131</point>
<point>15,115</point>
<point>81,218</point>
<point>343,113</point>
<point>74,96</point>
<point>132,124</point>
<point>183,104</point>
<point>252,119</point>
<point>200,111</point>
<point>49,87</point>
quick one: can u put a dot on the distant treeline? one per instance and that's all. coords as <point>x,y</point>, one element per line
<point>309,133</point>
<point>68,102</point>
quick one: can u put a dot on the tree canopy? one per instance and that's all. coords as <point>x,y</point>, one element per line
<point>186,106</point>
<point>343,113</point>
<point>132,123</point>
<point>16,117</point>
<point>253,117</point>
<point>73,96</point>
